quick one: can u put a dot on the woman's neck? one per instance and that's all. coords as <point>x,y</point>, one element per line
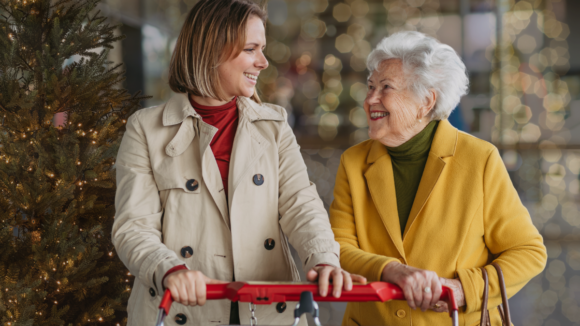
<point>208,101</point>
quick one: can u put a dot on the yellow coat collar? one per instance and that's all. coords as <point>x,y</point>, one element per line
<point>443,145</point>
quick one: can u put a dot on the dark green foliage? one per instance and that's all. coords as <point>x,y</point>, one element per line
<point>57,184</point>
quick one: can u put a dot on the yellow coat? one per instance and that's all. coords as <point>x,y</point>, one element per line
<point>466,214</point>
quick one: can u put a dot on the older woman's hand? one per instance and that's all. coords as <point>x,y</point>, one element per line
<point>457,287</point>
<point>340,279</point>
<point>421,288</point>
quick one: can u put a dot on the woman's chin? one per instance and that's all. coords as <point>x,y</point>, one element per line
<point>377,133</point>
<point>247,92</point>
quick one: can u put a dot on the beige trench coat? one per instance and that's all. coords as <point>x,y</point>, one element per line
<point>159,211</point>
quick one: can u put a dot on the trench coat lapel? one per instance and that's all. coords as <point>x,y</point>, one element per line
<point>443,146</point>
<point>178,110</point>
<point>249,144</point>
<point>381,184</point>
<point>210,171</point>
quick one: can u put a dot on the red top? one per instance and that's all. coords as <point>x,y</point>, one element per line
<point>225,119</point>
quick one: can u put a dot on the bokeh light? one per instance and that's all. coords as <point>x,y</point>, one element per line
<point>524,98</point>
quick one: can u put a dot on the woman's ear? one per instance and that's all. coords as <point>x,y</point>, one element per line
<point>428,104</point>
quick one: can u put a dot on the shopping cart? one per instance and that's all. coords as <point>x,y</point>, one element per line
<point>306,294</point>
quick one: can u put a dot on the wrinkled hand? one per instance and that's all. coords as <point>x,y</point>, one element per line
<point>457,287</point>
<point>188,287</point>
<point>413,282</point>
<point>338,276</point>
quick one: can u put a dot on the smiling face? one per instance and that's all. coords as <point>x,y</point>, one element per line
<point>239,75</point>
<point>393,112</point>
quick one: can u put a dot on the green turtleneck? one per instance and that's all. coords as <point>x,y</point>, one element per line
<point>409,161</point>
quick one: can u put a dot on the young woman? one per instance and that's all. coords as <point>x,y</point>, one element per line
<point>211,186</point>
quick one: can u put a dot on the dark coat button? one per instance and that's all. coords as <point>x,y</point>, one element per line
<point>258,179</point>
<point>192,185</point>
<point>281,307</point>
<point>269,244</point>
<point>186,252</point>
<point>180,319</point>
<point>152,292</point>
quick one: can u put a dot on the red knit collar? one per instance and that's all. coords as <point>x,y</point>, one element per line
<point>205,108</point>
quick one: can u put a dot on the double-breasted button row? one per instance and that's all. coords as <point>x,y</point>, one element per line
<point>186,252</point>
<point>193,184</point>
<point>269,244</point>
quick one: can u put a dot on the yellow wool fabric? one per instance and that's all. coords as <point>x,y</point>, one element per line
<point>466,214</point>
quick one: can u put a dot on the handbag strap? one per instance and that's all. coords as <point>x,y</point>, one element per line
<point>506,317</point>
<point>484,313</point>
<point>504,309</point>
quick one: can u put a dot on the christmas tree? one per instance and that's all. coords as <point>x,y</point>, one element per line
<point>57,182</point>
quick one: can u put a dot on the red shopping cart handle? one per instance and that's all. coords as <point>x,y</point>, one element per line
<point>266,293</point>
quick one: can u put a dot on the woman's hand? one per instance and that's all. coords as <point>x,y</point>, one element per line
<point>188,287</point>
<point>457,287</point>
<point>339,277</point>
<point>421,288</point>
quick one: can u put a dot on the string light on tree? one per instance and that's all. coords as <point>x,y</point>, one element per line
<point>39,209</point>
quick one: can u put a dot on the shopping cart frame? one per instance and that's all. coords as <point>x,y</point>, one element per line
<point>264,293</point>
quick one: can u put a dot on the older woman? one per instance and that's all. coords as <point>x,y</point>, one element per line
<point>421,204</point>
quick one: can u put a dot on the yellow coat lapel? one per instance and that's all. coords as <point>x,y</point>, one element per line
<point>381,184</point>
<point>443,145</point>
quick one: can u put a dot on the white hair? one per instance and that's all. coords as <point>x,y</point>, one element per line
<point>429,64</point>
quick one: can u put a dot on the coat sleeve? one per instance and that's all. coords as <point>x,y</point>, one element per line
<point>137,227</point>
<point>353,259</point>
<point>302,215</point>
<point>509,235</point>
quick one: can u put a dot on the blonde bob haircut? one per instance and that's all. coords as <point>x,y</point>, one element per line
<point>214,31</point>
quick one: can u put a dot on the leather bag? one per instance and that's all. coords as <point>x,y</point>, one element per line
<point>504,309</point>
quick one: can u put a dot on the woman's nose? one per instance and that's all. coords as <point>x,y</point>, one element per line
<point>261,61</point>
<point>373,97</point>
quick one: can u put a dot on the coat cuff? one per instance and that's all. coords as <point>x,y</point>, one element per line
<point>174,269</point>
<point>162,268</point>
<point>473,298</point>
<point>379,267</point>
<point>318,258</point>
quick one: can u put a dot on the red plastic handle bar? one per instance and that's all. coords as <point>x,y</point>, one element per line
<point>213,292</point>
<point>267,293</point>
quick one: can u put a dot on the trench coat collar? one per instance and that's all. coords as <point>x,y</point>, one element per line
<point>178,108</point>
<point>381,181</point>
<point>257,112</point>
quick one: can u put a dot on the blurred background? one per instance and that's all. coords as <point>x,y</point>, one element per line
<point>523,59</point>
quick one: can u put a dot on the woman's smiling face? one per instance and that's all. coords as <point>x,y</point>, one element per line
<point>393,112</point>
<point>239,75</point>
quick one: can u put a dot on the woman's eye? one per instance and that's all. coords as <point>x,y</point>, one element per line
<point>371,87</point>
<point>249,50</point>
<point>386,86</point>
